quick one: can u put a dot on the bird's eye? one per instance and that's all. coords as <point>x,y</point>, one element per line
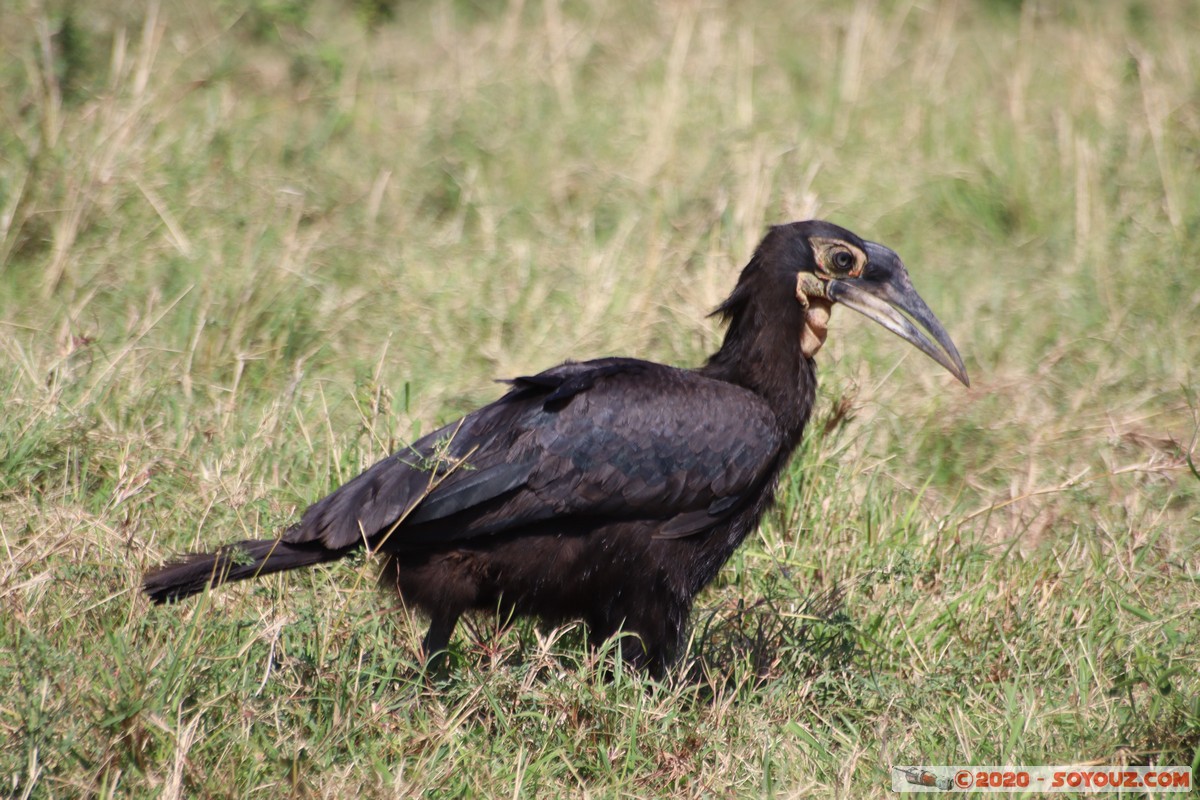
<point>843,260</point>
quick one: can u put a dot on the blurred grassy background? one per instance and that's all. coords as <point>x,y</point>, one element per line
<point>246,249</point>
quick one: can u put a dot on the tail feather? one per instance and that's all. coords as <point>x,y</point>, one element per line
<point>194,573</point>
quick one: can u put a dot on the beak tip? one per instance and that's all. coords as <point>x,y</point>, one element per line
<point>956,368</point>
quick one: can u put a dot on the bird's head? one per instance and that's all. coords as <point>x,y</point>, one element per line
<point>828,264</point>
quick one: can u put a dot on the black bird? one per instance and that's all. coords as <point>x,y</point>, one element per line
<point>612,490</point>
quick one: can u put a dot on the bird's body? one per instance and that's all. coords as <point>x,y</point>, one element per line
<point>610,491</point>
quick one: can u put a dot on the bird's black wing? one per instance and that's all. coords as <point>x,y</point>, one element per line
<point>607,439</point>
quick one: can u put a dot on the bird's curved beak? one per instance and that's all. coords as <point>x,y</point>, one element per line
<point>886,297</point>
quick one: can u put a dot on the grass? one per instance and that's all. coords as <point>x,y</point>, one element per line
<point>245,252</point>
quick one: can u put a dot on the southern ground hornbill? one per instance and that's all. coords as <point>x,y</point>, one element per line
<point>610,491</point>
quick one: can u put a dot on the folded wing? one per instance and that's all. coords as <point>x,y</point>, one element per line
<point>613,439</point>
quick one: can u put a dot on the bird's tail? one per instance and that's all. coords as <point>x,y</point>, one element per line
<point>234,562</point>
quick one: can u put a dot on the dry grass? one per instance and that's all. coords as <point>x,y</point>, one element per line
<point>244,252</point>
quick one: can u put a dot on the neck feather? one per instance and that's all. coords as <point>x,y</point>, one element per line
<point>762,352</point>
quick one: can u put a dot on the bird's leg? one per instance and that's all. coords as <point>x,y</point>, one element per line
<point>653,628</point>
<point>437,639</point>
<point>644,655</point>
<point>653,648</point>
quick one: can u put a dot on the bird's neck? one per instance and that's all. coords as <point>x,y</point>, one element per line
<point>762,353</point>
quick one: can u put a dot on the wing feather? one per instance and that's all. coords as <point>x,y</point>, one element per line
<point>608,439</point>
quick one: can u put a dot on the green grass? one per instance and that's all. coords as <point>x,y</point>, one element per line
<point>245,253</point>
